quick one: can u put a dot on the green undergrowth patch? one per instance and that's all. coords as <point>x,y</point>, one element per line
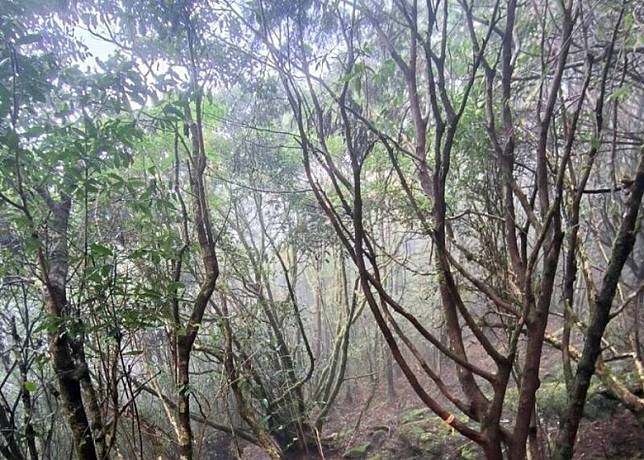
<point>358,451</point>
<point>429,437</point>
<point>552,400</point>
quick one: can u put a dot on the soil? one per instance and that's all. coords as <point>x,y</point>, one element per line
<point>400,428</point>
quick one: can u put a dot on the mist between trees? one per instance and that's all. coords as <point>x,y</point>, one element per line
<point>227,228</point>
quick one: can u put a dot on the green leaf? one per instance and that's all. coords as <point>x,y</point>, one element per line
<point>173,110</point>
<point>133,353</point>
<point>10,139</point>
<point>32,244</point>
<point>30,386</point>
<point>100,251</point>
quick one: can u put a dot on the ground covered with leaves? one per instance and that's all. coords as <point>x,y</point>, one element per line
<point>402,429</point>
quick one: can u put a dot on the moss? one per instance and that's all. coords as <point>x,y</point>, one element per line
<point>428,437</point>
<point>469,452</point>
<point>414,415</point>
<point>552,400</point>
<point>359,451</point>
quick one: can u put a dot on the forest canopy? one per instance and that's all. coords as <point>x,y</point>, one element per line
<point>321,229</point>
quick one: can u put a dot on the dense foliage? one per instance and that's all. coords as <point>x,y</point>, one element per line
<point>220,219</point>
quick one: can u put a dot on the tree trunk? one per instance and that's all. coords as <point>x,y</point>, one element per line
<point>55,269</point>
<point>530,382</point>
<point>70,390</point>
<point>389,371</point>
<point>600,316</point>
<point>183,405</point>
<point>90,397</point>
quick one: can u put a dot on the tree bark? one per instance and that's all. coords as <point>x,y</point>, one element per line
<point>68,375</point>
<point>183,404</point>
<point>600,316</point>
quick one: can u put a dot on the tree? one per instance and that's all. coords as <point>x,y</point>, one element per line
<point>196,224</point>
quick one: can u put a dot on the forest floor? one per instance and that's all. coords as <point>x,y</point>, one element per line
<point>399,428</point>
